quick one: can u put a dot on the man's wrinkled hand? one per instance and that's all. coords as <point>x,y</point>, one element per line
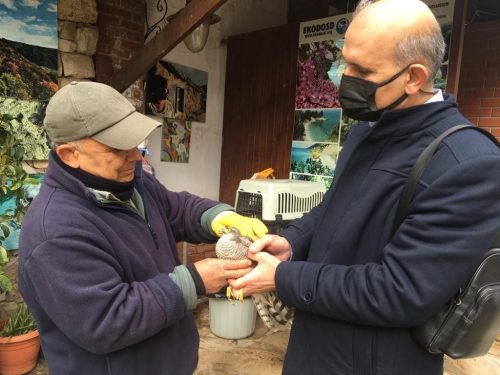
<point>248,227</point>
<point>216,272</point>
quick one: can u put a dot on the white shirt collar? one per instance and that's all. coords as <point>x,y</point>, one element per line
<point>438,97</point>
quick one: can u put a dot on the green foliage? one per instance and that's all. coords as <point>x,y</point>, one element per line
<point>5,284</point>
<point>12,174</point>
<point>20,323</point>
<point>11,85</point>
<point>347,124</point>
<point>12,178</point>
<point>27,129</point>
<point>440,81</point>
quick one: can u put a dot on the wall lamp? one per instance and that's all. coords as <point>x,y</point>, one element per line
<point>197,39</point>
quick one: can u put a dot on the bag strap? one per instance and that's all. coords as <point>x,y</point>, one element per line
<point>419,168</point>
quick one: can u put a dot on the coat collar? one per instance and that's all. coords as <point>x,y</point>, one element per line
<point>400,123</point>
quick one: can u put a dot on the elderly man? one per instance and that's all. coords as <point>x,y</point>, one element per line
<point>98,263</point>
<point>358,287</point>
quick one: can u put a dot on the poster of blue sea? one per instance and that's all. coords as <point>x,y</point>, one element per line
<point>317,125</point>
<point>314,161</point>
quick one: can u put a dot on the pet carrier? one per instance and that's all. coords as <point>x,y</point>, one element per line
<point>277,201</point>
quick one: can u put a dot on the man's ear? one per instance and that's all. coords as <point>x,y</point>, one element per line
<point>68,154</point>
<point>418,78</point>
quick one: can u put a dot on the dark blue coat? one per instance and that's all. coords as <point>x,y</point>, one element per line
<point>357,288</point>
<point>95,277</point>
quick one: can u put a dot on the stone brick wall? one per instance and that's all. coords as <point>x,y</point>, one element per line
<point>479,85</point>
<point>96,38</point>
<point>78,34</point>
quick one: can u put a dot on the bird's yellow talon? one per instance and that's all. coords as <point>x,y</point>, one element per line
<point>230,295</point>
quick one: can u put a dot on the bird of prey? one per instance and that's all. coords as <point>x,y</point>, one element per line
<point>273,312</point>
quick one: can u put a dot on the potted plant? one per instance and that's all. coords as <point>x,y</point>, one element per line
<point>19,343</point>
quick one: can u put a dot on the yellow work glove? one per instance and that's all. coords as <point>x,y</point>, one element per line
<point>249,227</point>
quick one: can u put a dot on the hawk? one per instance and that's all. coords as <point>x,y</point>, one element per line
<point>273,312</point>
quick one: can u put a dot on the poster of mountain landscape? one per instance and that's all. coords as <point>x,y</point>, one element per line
<point>28,79</point>
<point>28,49</point>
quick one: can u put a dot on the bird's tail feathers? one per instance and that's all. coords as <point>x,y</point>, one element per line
<point>273,312</point>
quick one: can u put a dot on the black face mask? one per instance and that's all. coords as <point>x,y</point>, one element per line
<point>357,97</point>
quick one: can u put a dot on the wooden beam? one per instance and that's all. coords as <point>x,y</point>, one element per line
<point>456,47</point>
<point>195,12</point>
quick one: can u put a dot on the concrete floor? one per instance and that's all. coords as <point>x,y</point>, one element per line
<point>263,353</point>
<point>260,354</point>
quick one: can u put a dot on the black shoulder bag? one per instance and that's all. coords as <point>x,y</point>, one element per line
<point>467,325</point>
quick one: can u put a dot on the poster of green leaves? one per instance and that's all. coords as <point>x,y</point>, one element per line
<point>28,79</point>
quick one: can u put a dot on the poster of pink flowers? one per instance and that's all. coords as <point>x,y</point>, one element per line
<point>315,89</point>
<point>318,128</point>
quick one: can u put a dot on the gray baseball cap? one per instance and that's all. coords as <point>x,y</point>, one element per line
<point>91,109</point>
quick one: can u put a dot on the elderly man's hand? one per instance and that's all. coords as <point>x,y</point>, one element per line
<point>248,227</point>
<point>216,272</point>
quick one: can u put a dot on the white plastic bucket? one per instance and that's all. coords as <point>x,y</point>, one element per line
<point>231,320</point>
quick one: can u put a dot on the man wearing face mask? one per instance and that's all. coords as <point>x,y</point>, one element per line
<point>356,286</point>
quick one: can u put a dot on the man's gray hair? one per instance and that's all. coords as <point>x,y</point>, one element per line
<point>362,5</point>
<point>53,145</point>
<point>425,45</point>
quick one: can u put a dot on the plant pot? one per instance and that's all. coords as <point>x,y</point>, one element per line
<point>19,354</point>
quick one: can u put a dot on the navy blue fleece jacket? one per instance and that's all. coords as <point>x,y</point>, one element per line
<point>357,287</point>
<point>95,276</point>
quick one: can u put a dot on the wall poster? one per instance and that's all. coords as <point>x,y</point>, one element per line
<point>28,79</point>
<point>28,68</point>
<point>320,128</point>
<point>176,136</point>
<point>176,91</point>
